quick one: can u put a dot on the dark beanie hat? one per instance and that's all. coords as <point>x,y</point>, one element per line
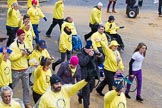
<point>88,44</point>
<point>118,84</point>
<point>19,32</point>
<point>54,79</point>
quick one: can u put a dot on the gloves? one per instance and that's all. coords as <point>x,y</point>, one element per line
<point>121,27</point>
<point>45,19</point>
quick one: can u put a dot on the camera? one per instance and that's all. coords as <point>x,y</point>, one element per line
<point>97,53</point>
<point>27,50</point>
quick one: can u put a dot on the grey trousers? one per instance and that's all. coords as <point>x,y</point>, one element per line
<point>24,76</point>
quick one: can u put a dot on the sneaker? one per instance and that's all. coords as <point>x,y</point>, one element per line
<point>138,98</point>
<point>127,96</point>
<point>80,100</point>
<point>100,93</point>
<point>48,35</point>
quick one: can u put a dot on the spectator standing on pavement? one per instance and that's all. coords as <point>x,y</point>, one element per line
<point>88,61</point>
<point>5,67</point>
<point>113,2</point>
<point>19,65</point>
<point>58,16</point>
<point>35,14</point>
<point>112,64</point>
<point>12,23</point>
<point>70,71</point>
<point>60,95</point>
<point>7,101</point>
<point>95,20</point>
<point>135,69</point>
<point>65,45</point>
<point>42,76</point>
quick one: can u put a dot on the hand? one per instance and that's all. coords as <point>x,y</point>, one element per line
<point>121,27</point>
<point>132,76</point>
<point>4,50</point>
<point>45,19</point>
<point>23,52</point>
<point>91,53</point>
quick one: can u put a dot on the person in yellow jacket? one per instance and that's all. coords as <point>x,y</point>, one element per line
<point>65,45</point>
<point>19,65</point>
<point>29,3</point>
<point>97,37</point>
<point>42,76</point>
<point>5,67</point>
<point>7,101</point>
<point>112,64</point>
<point>35,57</point>
<point>115,98</point>
<point>111,28</point>
<point>58,16</point>
<point>10,2</point>
<point>12,22</point>
<point>95,19</point>
<point>26,20</point>
<point>76,39</point>
<point>35,14</point>
<point>60,95</point>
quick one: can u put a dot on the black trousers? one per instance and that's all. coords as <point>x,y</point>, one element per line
<point>109,79</point>
<point>54,23</point>
<point>36,97</point>
<point>159,8</point>
<point>11,32</point>
<point>85,93</point>
<point>118,38</point>
<point>94,28</point>
<point>63,56</point>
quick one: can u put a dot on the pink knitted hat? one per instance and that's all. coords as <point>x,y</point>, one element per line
<point>74,60</point>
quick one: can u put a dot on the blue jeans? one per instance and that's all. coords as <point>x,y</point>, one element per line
<point>35,28</point>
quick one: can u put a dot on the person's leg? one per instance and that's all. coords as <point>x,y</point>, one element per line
<point>63,55</point>
<point>54,22</point>
<point>25,86</point>
<point>36,97</point>
<point>129,85</point>
<point>86,96</point>
<point>113,7</point>
<point>108,6</point>
<point>15,78</point>
<point>110,79</point>
<point>139,84</point>
<point>35,28</point>
<point>94,28</point>
<point>69,53</point>
<point>60,22</point>
<point>159,9</point>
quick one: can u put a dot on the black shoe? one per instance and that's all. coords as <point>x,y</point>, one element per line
<point>53,66</point>
<point>80,99</point>
<point>138,98</point>
<point>48,36</point>
<point>100,93</point>
<point>30,83</point>
<point>127,96</point>
<point>39,31</point>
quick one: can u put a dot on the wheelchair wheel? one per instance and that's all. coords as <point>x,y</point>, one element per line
<point>133,85</point>
<point>131,14</point>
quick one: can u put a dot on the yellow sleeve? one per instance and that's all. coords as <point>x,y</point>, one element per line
<point>1,58</point>
<point>37,72</point>
<point>95,13</point>
<point>62,41</point>
<point>105,48</point>
<point>107,27</point>
<point>121,66</point>
<point>15,55</point>
<point>108,98</point>
<point>73,89</point>
<point>41,13</point>
<point>93,37</point>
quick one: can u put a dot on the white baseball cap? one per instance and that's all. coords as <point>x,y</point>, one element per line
<point>100,4</point>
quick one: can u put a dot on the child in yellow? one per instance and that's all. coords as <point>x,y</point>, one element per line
<point>115,98</point>
<point>5,67</point>
<point>42,76</point>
